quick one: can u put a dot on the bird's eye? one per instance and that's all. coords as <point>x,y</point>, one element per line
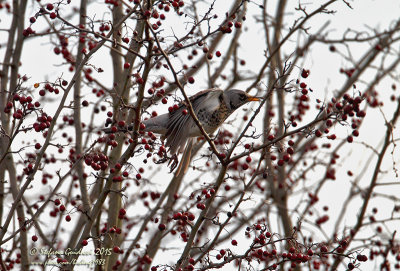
<point>242,97</point>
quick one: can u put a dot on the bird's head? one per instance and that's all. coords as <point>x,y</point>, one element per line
<point>235,98</point>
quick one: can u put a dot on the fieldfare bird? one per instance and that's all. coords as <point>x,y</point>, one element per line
<point>212,107</point>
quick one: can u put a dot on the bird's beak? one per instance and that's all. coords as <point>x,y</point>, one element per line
<point>252,99</point>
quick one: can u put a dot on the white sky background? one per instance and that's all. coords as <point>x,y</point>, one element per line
<point>38,62</point>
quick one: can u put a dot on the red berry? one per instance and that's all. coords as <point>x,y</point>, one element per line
<point>117,179</point>
<point>84,242</point>
<point>25,33</point>
<point>17,115</point>
<point>68,218</point>
<point>116,249</point>
<point>34,238</point>
<point>161,227</point>
<point>361,114</point>
<point>127,66</point>
<point>37,146</point>
<point>191,80</point>
<point>234,242</point>
<point>362,258</point>
<point>305,73</point>
<point>57,50</point>
<point>286,157</point>
<point>147,13</point>
<point>304,98</point>
<point>339,105</point>
<point>122,211</point>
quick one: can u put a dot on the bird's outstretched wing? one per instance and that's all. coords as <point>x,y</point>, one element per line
<point>180,126</point>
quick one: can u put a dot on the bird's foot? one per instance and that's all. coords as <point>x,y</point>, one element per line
<point>173,160</point>
<point>162,160</point>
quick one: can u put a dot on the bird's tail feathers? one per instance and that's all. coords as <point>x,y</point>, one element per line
<point>157,124</point>
<point>185,160</point>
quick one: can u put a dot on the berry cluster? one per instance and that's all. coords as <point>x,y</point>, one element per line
<point>96,160</point>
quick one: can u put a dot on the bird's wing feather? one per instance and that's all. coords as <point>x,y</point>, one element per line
<point>210,100</point>
<point>179,125</point>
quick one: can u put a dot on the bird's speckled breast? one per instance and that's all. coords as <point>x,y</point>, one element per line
<point>212,120</point>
